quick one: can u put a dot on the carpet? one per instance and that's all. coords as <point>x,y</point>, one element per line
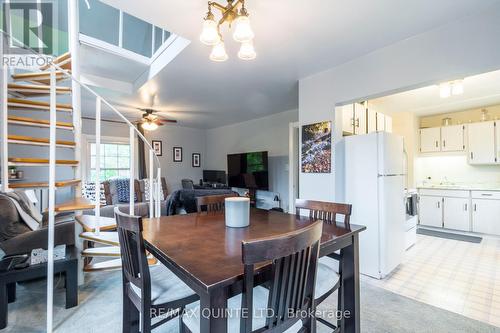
<point>100,311</point>
<point>449,235</point>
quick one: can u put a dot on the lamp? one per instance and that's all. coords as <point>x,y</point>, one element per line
<point>149,126</point>
<point>219,53</point>
<point>445,90</point>
<point>242,33</point>
<point>247,52</point>
<point>457,87</point>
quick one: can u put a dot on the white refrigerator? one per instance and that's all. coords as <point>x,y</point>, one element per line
<point>374,185</point>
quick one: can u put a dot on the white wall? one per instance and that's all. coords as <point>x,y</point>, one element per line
<point>462,48</point>
<point>192,140</point>
<point>264,134</point>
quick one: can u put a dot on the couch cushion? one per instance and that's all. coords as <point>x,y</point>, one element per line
<point>11,224</point>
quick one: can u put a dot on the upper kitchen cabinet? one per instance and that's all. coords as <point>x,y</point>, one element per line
<point>481,141</point>
<point>430,139</point>
<point>359,118</point>
<point>372,120</point>
<point>347,119</point>
<point>452,138</point>
<point>380,121</point>
<point>388,123</point>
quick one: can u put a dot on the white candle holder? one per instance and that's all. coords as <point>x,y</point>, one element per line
<point>237,212</point>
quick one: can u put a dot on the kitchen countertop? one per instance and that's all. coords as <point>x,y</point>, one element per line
<point>463,187</point>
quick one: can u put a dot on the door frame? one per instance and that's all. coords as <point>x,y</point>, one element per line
<point>293,164</point>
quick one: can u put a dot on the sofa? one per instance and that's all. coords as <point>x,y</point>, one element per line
<point>111,199</point>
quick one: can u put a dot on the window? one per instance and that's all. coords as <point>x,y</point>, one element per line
<point>115,160</point>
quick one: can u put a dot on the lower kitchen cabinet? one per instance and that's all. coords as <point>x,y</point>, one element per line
<point>486,216</point>
<point>431,211</point>
<point>456,214</point>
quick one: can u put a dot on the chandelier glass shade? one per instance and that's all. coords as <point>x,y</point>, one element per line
<point>149,126</point>
<point>236,15</point>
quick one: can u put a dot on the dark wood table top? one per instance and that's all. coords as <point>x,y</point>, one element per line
<point>203,248</point>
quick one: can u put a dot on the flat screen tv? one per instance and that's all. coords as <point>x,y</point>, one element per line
<point>248,170</point>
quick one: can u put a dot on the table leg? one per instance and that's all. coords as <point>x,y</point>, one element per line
<point>71,281</point>
<point>350,274</point>
<point>4,304</point>
<point>212,311</point>
<point>11,292</point>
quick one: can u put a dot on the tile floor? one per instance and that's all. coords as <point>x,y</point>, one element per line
<point>458,276</point>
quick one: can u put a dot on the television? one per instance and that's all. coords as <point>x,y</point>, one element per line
<point>248,170</point>
<point>214,176</point>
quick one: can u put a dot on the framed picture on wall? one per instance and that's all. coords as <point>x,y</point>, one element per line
<point>196,160</point>
<point>157,147</point>
<point>177,154</point>
<point>317,147</point>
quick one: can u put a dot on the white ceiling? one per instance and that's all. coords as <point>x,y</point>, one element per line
<point>294,39</point>
<point>479,91</point>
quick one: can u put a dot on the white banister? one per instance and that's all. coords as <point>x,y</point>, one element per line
<point>132,171</point>
<point>4,129</point>
<point>151,188</point>
<point>97,192</point>
<point>52,200</point>
<point>158,196</point>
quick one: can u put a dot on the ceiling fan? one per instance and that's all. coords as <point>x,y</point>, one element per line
<point>150,121</point>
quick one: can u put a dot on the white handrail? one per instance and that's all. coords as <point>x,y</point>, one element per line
<point>4,127</point>
<point>97,191</point>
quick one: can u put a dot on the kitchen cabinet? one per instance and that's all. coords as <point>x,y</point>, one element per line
<point>485,216</point>
<point>372,120</point>
<point>348,119</point>
<point>431,211</point>
<point>430,139</point>
<point>359,119</point>
<point>452,138</point>
<point>380,121</point>
<point>481,142</point>
<point>456,214</point>
<point>388,124</point>
<point>497,128</point>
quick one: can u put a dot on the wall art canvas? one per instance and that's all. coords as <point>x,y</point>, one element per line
<point>317,147</point>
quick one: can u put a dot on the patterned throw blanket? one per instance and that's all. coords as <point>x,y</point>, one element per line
<point>28,213</point>
<point>123,189</point>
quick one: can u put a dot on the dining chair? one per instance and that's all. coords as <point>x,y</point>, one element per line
<point>187,184</point>
<point>147,292</point>
<point>287,304</point>
<point>212,203</point>
<point>329,267</point>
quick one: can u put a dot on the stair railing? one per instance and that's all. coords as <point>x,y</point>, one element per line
<point>154,184</point>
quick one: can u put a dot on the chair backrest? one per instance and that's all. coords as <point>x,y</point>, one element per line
<point>213,203</point>
<point>326,211</point>
<point>294,257</point>
<point>133,254</point>
<point>187,184</point>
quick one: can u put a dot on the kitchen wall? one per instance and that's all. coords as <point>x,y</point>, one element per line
<point>461,117</point>
<point>269,133</point>
<point>429,58</point>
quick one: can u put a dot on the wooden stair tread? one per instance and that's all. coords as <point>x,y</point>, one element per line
<point>38,77</point>
<point>29,139</point>
<point>39,161</point>
<point>104,251</point>
<point>63,61</point>
<point>111,264</point>
<point>88,223</point>
<point>19,103</point>
<point>74,205</point>
<point>37,122</point>
<point>105,237</point>
<point>63,183</point>
<point>35,89</point>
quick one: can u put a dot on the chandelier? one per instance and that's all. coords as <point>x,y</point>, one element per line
<point>233,13</point>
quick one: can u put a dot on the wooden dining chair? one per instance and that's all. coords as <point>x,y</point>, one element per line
<point>281,308</point>
<point>147,293</point>
<point>329,278</point>
<point>212,203</point>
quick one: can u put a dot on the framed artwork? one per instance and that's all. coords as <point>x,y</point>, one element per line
<point>157,147</point>
<point>196,160</point>
<point>316,156</point>
<point>177,154</point>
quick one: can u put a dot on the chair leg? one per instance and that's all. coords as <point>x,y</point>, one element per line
<point>130,317</point>
<point>146,320</point>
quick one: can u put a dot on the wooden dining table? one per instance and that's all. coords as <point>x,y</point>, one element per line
<point>206,255</point>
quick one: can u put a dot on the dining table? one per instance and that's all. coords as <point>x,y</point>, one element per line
<point>207,256</point>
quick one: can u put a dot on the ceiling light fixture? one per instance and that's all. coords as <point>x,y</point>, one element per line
<point>454,88</point>
<point>149,125</point>
<point>234,12</point>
